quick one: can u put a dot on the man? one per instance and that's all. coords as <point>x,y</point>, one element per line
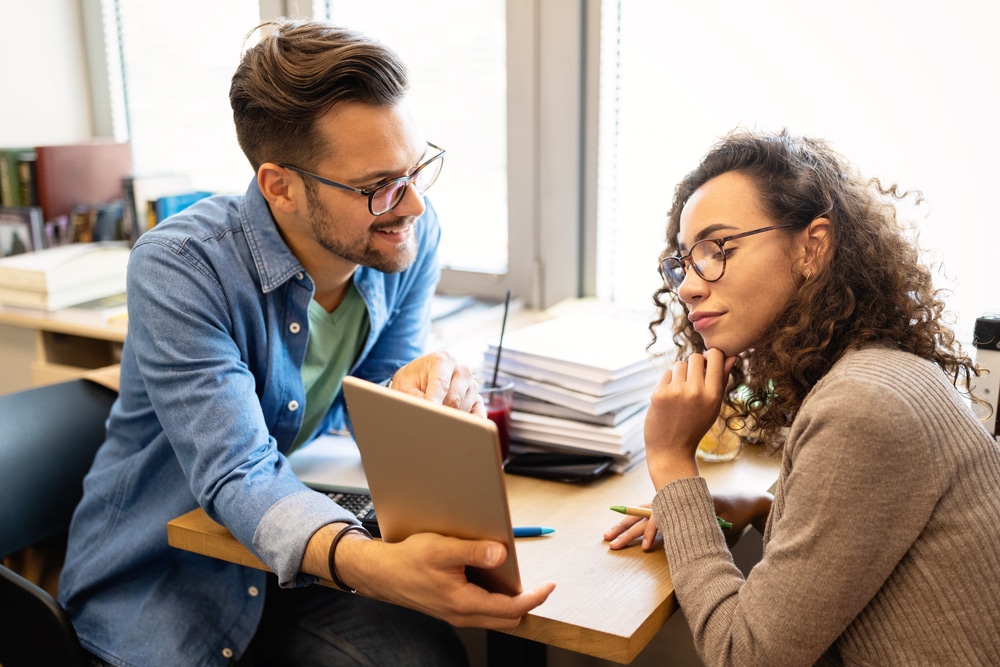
<point>245,313</point>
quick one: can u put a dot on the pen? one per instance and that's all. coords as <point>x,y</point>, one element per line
<point>532,531</point>
<point>645,511</point>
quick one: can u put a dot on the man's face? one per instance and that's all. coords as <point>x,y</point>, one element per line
<point>367,146</point>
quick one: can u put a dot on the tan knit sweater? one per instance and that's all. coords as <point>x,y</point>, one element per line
<point>883,543</point>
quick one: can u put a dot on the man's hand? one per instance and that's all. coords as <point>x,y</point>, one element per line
<point>426,572</point>
<point>439,378</point>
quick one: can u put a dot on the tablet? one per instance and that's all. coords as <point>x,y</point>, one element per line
<point>433,469</point>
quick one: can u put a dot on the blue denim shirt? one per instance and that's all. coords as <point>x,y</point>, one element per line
<point>211,399</point>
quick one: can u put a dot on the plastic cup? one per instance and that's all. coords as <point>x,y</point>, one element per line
<point>499,400</point>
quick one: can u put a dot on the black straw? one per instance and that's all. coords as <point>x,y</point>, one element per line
<point>503,326</point>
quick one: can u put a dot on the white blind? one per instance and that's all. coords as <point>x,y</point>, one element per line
<point>177,60</point>
<point>909,96</point>
<point>456,54</point>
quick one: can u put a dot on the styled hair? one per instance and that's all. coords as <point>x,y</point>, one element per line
<point>294,75</point>
<point>873,287</point>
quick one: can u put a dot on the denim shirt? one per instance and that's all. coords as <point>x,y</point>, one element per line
<point>211,400</point>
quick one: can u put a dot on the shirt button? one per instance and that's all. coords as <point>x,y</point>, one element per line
<point>293,405</point>
<point>227,653</point>
<point>253,591</point>
<point>294,327</point>
<point>298,276</point>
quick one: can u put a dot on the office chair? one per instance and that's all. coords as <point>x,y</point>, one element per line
<point>48,438</point>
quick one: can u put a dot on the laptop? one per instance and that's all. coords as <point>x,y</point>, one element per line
<point>433,469</point>
<point>332,464</point>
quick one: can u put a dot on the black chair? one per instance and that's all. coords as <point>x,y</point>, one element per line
<point>48,438</point>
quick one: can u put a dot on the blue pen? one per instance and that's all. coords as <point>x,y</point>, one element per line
<point>532,531</point>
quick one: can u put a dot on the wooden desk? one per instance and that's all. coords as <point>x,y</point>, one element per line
<point>38,347</point>
<point>607,604</point>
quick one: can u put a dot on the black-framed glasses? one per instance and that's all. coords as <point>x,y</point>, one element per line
<point>707,257</point>
<point>385,196</point>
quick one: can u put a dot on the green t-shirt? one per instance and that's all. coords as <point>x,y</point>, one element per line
<point>335,340</point>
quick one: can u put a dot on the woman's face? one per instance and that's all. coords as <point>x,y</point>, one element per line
<point>732,313</point>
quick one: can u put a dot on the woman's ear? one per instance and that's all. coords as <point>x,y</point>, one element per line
<point>817,245</point>
<point>278,189</point>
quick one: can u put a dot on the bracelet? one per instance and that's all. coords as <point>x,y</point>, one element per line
<point>333,549</point>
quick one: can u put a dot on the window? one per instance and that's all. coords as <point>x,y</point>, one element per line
<point>170,80</point>
<point>483,75</point>
<point>459,89</point>
<point>909,96</point>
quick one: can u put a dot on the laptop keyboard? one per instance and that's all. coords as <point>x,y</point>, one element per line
<point>361,505</point>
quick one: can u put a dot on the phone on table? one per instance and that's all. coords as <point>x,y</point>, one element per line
<point>558,466</point>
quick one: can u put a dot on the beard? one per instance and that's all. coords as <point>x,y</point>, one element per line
<point>361,250</point>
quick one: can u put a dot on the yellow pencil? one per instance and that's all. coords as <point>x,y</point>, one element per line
<point>646,512</point>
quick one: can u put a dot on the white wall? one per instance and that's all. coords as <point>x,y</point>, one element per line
<point>45,97</point>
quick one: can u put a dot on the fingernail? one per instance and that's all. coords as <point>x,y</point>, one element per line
<point>493,554</point>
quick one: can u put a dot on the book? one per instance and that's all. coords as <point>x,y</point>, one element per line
<point>66,267</point>
<point>169,205</point>
<point>594,405</point>
<point>98,311</point>
<point>524,403</point>
<point>645,375</point>
<point>62,298</point>
<point>139,190</point>
<point>87,173</point>
<point>626,438</point>
<point>589,346</point>
<point>27,180</point>
<point>21,230</point>
<point>10,182</point>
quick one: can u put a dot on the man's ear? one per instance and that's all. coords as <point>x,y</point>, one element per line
<point>281,190</point>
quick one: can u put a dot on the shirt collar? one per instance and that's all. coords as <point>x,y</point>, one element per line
<point>274,260</point>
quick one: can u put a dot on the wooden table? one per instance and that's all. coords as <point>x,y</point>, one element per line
<point>607,604</point>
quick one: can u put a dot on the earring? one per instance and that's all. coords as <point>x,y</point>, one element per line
<point>808,274</point>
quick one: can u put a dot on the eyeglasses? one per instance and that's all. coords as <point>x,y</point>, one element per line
<point>707,257</point>
<point>385,196</point>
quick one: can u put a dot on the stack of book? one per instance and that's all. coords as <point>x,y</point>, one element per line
<point>582,384</point>
<point>56,278</point>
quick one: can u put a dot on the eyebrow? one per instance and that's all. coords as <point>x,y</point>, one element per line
<point>705,233</point>
<point>377,178</point>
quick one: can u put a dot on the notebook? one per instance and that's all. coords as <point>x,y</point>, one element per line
<point>433,469</point>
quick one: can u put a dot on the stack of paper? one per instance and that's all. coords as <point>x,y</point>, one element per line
<point>55,278</point>
<point>582,384</point>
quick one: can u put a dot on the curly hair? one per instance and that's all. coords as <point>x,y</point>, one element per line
<point>873,289</point>
<point>294,75</point>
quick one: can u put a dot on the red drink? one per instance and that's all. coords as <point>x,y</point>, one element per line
<point>499,414</point>
<point>498,402</point>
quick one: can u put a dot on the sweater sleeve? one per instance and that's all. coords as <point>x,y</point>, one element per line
<point>858,487</point>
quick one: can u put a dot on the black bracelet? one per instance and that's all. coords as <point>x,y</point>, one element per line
<point>333,548</point>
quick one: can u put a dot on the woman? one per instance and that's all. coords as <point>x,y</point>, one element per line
<point>800,302</point>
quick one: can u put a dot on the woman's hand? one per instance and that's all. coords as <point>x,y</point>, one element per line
<point>742,510</point>
<point>631,528</point>
<point>683,407</point>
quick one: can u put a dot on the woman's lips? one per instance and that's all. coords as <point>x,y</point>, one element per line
<point>702,321</point>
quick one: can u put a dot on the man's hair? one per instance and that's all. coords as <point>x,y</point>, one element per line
<point>294,75</point>
<point>873,287</point>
